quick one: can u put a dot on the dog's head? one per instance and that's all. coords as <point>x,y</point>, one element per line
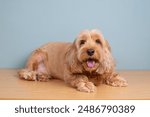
<point>90,52</point>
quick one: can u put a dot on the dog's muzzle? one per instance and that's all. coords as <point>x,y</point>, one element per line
<point>90,52</point>
<point>91,62</point>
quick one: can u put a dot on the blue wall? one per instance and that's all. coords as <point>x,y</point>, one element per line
<point>27,24</point>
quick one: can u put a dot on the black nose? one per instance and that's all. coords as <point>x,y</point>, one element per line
<point>90,52</point>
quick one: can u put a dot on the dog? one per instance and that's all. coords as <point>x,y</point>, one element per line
<point>83,64</point>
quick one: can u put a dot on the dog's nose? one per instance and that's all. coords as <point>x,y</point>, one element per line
<point>90,52</point>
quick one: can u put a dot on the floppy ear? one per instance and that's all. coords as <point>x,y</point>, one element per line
<point>107,62</point>
<point>71,60</point>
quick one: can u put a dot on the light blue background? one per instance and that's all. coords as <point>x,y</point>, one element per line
<point>27,24</point>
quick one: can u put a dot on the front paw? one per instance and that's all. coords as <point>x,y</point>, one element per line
<point>86,87</point>
<point>117,82</point>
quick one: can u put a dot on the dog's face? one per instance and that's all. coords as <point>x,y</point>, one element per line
<point>89,45</point>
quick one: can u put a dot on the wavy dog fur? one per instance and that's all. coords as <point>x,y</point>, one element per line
<point>83,64</point>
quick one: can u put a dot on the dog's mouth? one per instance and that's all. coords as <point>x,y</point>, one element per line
<point>91,62</point>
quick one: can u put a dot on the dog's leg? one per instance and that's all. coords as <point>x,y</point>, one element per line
<point>36,67</point>
<point>97,80</point>
<point>115,80</point>
<point>80,82</point>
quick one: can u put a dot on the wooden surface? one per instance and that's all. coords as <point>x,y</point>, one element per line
<point>11,87</point>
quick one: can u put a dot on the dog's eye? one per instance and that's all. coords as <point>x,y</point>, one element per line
<point>82,42</point>
<point>97,41</point>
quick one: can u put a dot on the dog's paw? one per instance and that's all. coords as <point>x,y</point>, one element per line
<point>42,77</point>
<point>117,82</point>
<point>86,87</point>
<point>27,75</point>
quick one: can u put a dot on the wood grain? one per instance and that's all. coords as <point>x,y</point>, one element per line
<point>11,87</point>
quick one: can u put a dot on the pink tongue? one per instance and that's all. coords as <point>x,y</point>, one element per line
<point>90,63</point>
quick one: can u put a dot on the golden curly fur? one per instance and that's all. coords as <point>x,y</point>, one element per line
<point>83,64</point>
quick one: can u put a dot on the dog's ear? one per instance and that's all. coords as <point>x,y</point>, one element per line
<point>107,63</point>
<point>72,62</point>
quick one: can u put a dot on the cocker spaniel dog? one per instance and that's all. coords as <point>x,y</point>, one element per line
<point>83,64</point>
